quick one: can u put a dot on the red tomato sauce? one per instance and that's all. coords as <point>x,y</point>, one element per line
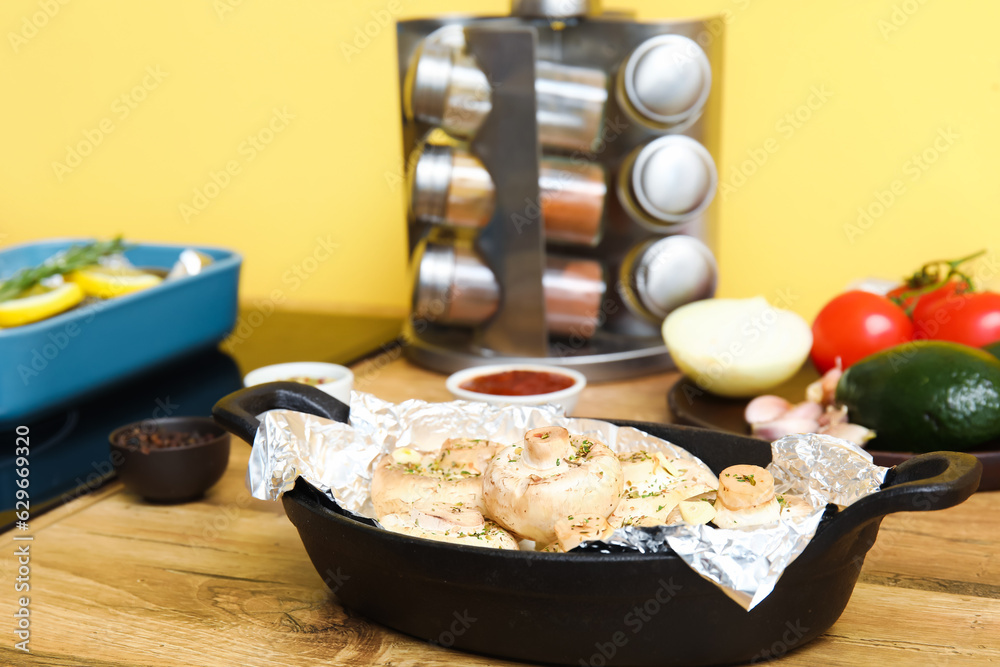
<point>518,383</point>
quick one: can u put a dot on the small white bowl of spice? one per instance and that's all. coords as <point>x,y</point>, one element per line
<point>518,384</point>
<point>333,379</point>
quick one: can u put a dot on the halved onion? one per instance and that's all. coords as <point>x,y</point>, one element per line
<point>737,347</point>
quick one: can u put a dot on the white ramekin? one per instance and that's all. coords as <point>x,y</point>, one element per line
<point>337,380</point>
<point>566,398</point>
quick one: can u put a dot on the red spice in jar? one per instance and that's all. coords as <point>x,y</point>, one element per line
<point>518,383</point>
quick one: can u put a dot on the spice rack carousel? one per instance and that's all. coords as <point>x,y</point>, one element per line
<point>560,180</point>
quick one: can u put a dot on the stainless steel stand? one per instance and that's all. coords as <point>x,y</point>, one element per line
<point>506,49</point>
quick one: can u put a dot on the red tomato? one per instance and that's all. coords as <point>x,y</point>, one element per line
<point>855,325</point>
<point>918,306</point>
<point>971,319</point>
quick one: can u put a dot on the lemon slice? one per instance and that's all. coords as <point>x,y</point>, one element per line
<point>39,303</point>
<point>107,283</point>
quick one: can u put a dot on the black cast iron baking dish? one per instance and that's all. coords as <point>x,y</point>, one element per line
<point>592,608</point>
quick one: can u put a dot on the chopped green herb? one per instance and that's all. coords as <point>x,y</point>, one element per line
<point>746,478</point>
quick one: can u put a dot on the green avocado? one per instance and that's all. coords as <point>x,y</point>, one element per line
<point>925,396</point>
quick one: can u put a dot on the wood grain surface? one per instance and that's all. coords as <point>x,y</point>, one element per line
<point>225,581</point>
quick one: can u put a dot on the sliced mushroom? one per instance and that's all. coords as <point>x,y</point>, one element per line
<point>410,479</point>
<point>654,484</point>
<point>704,508</point>
<point>745,497</point>
<point>551,475</point>
<point>744,486</point>
<point>467,453</point>
<point>573,531</point>
<point>455,524</point>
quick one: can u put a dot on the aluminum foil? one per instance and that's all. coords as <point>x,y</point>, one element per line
<point>746,563</point>
<point>339,459</point>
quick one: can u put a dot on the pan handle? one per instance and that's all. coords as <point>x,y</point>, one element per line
<point>933,481</point>
<point>237,412</point>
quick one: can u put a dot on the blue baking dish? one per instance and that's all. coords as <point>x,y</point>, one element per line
<point>49,364</point>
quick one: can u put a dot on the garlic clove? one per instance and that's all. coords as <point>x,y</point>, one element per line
<point>782,427</point>
<point>824,390</point>
<point>805,410</point>
<point>855,433</point>
<point>696,511</point>
<point>833,416</point>
<point>766,408</point>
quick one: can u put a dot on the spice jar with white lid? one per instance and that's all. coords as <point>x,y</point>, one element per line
<point>665,81</point>
<point>672,179</point>
<point>660,275</point>
<point>450,186</point>
<point>445,87</point>
<point>454,287</point>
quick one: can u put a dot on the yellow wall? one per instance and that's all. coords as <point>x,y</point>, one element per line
<point>900,74</point>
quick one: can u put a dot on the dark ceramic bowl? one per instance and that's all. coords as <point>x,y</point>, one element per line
<point>172,474</point>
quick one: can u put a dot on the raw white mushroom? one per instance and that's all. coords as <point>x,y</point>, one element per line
<point>705,508</point>
<point>574,530</point>
<point>551,475</point>
<point>745,497</point>
<point>654,484</point>
<point>445,523</point>
<point>408,479</point>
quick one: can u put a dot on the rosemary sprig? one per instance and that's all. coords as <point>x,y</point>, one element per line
<point>71,259</point>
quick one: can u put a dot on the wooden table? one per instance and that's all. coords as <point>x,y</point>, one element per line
<point>226,581</point>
